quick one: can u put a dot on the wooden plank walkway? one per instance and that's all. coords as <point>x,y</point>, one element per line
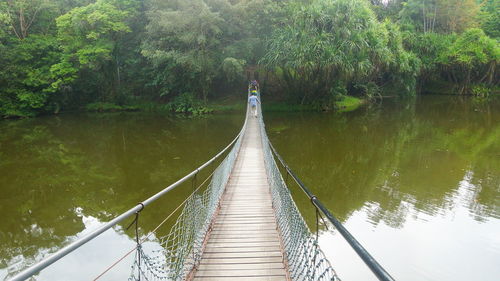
<point>244,242</point>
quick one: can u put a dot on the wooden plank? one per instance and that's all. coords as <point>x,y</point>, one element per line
<point>250,179</point>
<point>268,232</point>
<point>247,236</point>
<point>239,229</point>
<point>245,213</point>
<point>245,240</point>
<point>248,208</point>
<point>247,197</point>
<point>262,211</point>
<point>243,182</point>
<point>214,244</point>
<point>271,215</point>
<point>245,225</point>
<point>242,198</point>
<point>242,186</point>
<point>254,260</point>
<point>236,213</point>
<point>248,222</point>
<point>242,255</point>
<point>233,217</point>
<point>261,272</point>
<point>241,266</point>
<point>245,203</point>
<point>245,220</point>
<point>238,233</point>
<point>251,170</point>
<point>244,243</point>
<point>255,278</point>
<point>242,201</point>
<point>248,192</point>
<point>263,206</point>
<point>272,248</point>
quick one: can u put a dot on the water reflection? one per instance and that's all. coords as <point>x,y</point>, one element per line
<point>72,266</point>
<point>104,164</point>
<point>418,184</point>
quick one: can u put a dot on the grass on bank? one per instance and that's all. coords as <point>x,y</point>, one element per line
<point>345,104</point>
<point>227,104</point>
<point>109,107</point>
<point>189,106</point>
<point>349,103</point>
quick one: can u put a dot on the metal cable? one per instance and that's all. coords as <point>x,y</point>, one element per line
<point>374,266</point>
<point>152,231</point>
<point>182,247</point>
<point>306,261</point>
<point>36,268</point>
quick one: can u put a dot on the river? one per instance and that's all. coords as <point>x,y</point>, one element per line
<point>418,183</point>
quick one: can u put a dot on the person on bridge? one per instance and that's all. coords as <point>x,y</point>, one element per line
<point>254,85</point>
<point>253,100</point>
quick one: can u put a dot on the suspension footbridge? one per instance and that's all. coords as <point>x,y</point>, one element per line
<point>244,240</point>
<point>241,223</point>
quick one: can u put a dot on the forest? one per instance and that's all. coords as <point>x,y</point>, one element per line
<point>180,55</point>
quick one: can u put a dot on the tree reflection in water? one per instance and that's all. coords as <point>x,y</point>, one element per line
<point>395,166</point>
<point>101,164</point>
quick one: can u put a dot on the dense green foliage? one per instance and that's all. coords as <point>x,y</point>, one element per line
<point>64,54</point>
<point>340,41</point>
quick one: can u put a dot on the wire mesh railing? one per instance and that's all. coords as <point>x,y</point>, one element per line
<point>305,260</point>
<point>182,247</point>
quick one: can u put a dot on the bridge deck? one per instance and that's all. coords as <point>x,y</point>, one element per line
<point>244,243</point>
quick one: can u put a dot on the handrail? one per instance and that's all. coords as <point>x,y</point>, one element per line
<point>34,269</point>
<point>374,266</point>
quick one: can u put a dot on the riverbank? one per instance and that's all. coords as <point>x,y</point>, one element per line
<point>229,103</point>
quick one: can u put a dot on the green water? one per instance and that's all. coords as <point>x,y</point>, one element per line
<point>63,176</point>
<point>417,184</point>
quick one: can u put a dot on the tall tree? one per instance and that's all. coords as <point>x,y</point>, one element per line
<point>473,57</point>
<point>489,18</point>
<point>440,15</point>
<point>183,38</point>
<point>326,46</point>
<point>22,14</point>
<point>89,37</point>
